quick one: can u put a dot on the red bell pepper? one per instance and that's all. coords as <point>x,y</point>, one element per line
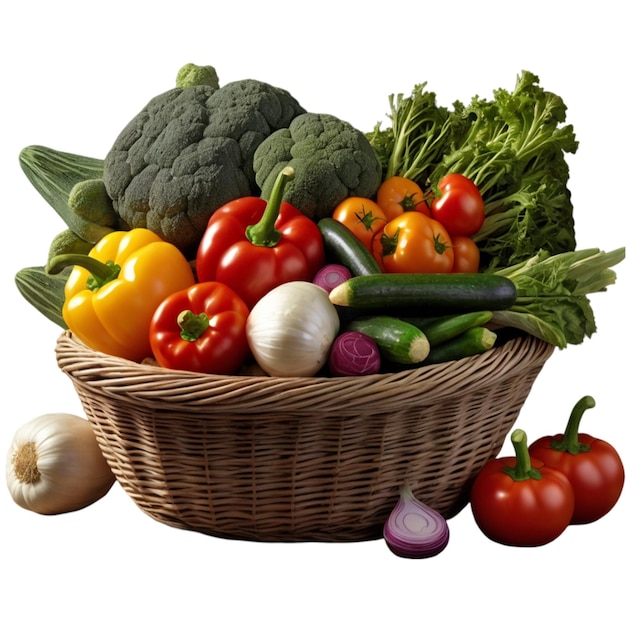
<point>201,329</point>
<point>519,501</point>
<point>253,245</point>
<point>593,466</point>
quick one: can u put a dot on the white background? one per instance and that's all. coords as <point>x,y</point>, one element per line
<point>74,74</point>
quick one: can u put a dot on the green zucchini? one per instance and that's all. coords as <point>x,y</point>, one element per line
<point>445,327</point>
<point>425,294</point>
<point>469,343</point>
<point>397,340</point>
<point>53,174</point>
<point>346,248</point>
<point>46,292</point>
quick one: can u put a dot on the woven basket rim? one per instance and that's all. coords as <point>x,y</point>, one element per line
<point>246,394</point>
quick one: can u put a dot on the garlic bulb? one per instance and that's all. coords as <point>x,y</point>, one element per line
<point>54,465</point>
<point>290,329</point>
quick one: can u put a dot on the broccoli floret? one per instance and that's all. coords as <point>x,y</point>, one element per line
<point>68,242</point>
<point>332,161</point>
<point>191,75</point>
<point>89,200</point>
<point>188,152</point>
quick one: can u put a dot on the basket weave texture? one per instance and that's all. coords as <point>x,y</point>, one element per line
<point>299,459</point>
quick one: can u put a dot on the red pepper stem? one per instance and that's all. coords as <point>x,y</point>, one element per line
<point>101,273</point>
<point>523,469</point>
<point>264,232</point>
<point>569,442</point>
<point>192,326</point>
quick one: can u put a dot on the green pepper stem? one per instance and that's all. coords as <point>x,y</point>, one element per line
<point>523,470</point>
<point>101,273</point>
<point>569,442</point>
<point>192,326</point>
<point>264,232</point>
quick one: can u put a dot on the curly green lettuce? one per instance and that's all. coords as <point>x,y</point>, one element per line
<point>513,146</point>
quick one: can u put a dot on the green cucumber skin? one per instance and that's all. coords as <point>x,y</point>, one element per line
<point>45,292</point>
<point>346,248</point>
<point>431,294</point>
<point>469,343</point>
<point>443,328</point>
<point>395,338</point>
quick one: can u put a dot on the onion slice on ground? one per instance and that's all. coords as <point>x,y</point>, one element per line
<point>414,530</point>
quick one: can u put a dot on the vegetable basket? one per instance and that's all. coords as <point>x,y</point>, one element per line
<point>299,459</point>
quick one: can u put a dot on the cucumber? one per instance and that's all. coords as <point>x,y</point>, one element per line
<point>53,174</point>
<point>425,294</point>
<point>397,340</point>
<point>346,248</point>
<point>446,327</point>
<point>469,343</point>
<point>46,292</point>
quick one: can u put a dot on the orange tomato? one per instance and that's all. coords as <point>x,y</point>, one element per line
<point>362,216</point>
<point>398,194</point>
<point>466,255</point>
<point>413,243</point>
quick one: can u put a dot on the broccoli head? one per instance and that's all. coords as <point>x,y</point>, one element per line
<point>189,151</point>
<point>332,161</point>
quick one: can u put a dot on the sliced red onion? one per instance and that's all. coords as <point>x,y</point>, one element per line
<point>354,354</point>
<point>414,530</point>
<point>331,275</point>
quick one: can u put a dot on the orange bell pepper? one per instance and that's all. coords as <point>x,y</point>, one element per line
<point>112,293</point>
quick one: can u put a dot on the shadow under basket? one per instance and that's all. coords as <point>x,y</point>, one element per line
<point>299,459</point>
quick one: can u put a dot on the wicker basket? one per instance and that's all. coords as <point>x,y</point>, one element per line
<point>299,459</point>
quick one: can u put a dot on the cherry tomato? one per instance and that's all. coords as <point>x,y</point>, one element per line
<point>592,465</point>
<point>459,205</point>
<point>399,194</point>
<point>413,243</point>
<point>466,255</point>
<point>519,501</point>
<point>362,216</point>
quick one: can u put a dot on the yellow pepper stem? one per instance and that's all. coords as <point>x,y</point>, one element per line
<point>101,273</point>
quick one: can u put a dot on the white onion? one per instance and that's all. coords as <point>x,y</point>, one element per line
<point>54,465</point>
<point>290,329</point>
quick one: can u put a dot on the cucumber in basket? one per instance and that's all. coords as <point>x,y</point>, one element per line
<point>398,341</point>
<point>425,294</point>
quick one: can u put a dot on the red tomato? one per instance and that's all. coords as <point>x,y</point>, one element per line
<point>592,466</point>
<point>399,194</point>
<point>519,501</point>
<point>459,205</point>
<point>466,255</point>
<point>413,243</point>
<point>362,216</point>
<point>201,329</point>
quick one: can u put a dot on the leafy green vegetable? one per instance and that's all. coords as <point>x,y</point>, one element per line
<point>552,291</point>
<point>419,135</point>
<point>512,146</point>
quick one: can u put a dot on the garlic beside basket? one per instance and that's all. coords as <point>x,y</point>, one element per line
<point>54,465</point>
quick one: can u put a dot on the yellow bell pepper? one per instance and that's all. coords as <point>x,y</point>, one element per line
<point>112,293</point>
